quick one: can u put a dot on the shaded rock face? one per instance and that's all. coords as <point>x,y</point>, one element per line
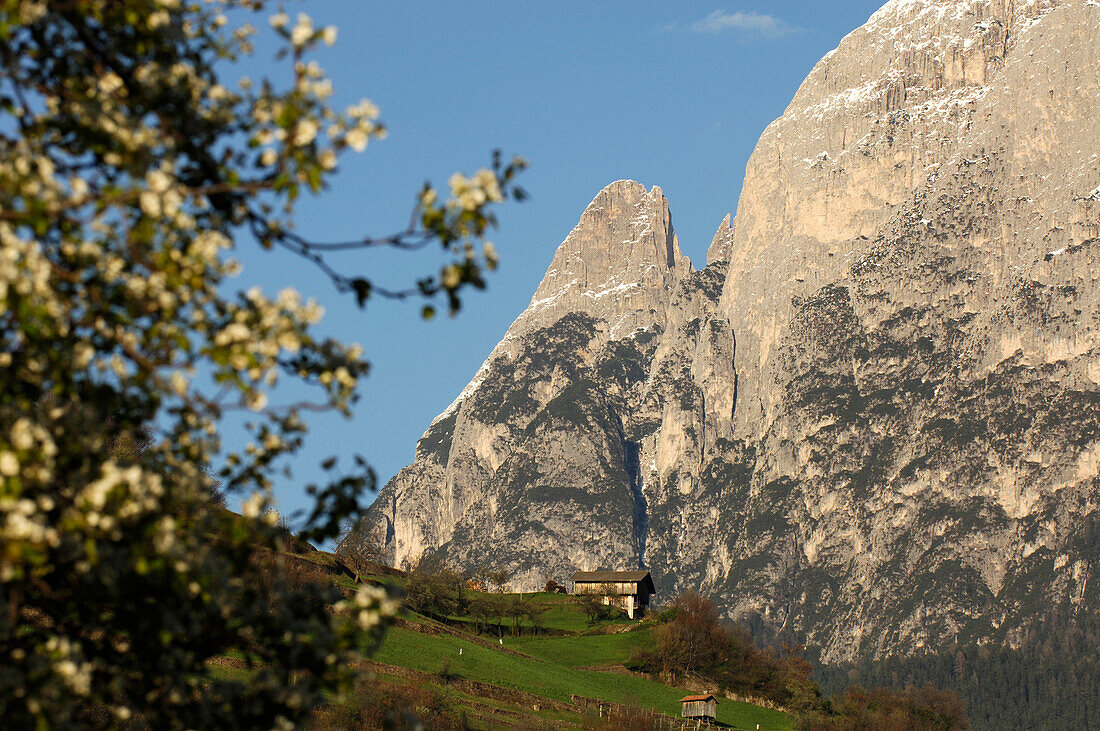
<point>549,449</point>
<point>873,420</point>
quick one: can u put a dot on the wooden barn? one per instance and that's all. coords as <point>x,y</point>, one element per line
<point>699,707</point>
<point>628,590</point>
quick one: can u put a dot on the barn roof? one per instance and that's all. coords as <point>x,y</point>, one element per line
<point>694,698</point>
<point>600,577</point>
<point>610,575</point>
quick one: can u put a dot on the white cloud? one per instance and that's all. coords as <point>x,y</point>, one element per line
<point>750,23</point>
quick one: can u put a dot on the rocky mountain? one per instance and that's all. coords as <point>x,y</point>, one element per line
<point>872,421</point>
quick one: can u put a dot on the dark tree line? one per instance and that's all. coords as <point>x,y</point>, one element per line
<point>1051,680</point>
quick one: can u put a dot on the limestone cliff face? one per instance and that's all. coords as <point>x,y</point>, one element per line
<point>913,342</point>
<point>872,421</point>
<point>539,449</point>
<point>872,121</point>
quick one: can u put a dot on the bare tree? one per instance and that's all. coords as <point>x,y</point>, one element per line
<point>498,578</point>
<point>360,555</point>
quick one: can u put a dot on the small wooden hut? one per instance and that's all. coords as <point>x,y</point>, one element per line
<point>628,590</point>
<point>699,707</point>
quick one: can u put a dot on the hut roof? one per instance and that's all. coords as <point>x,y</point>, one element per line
<point>693,698</point>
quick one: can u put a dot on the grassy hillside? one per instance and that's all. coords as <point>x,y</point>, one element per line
<point>583,650</point>
<point>460,658</point>
<point>472,659</point>
<point>556,679</point>
<point>553,667</point>
<point>553,663</point>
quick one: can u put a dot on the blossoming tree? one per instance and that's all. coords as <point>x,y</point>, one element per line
<point>127,172</point>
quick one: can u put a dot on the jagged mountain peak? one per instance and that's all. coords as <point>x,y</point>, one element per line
<point>625,230</point>
<point>619,263</point>
<point>618,223</point>
<point>719,249</point>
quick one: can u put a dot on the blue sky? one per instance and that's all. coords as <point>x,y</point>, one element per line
<point>674,95</point>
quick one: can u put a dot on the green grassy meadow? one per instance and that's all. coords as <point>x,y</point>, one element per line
<point>548,668</point>
<point>421,657</point>
<point>583,650</point>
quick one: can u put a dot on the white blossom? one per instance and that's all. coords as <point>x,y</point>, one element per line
<point>9,464</point>
<point>22,436</point>
<point>303,30</point>
<point>304,132</point>
<point>29,11</point>
<point>356,139</point>
<point>252,506</point>
<point>255,400</point>
<point>158,19</point>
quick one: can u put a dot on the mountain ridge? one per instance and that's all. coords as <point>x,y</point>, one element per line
<point>872,420</point>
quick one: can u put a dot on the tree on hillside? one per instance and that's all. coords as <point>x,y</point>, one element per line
<point>367,556</point>
<point>913,709</point>
<point>593,607</point>
<point>484,612</point>
<point>515,609</point>
<point>534,613</point>
<point>129,169</point>
<point>498,578</point>
<point>695,640</point>
<point>437,592</point>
